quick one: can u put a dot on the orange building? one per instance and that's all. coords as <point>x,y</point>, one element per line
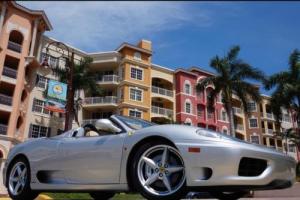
<point>20,32</point>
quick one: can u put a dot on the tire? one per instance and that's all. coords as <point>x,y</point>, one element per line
<point>228,195</point>
<point>165,183</point>
<point>102,195</point>
<point>15,178</point>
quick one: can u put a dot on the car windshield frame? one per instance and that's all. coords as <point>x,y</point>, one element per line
<point>131,121</point>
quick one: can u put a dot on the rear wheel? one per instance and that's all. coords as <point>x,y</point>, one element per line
<point>158,172</point>
<point>228,195</point>
<point>18,181</point>
<point>102,195</point>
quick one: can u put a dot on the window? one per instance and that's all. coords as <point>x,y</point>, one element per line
<point>39,106</point>
<point>42,82</point>
<point>136,94</point>
<point>137,56</point>
<point>38,131</point>
<point>286,118</point>
<point>265,141</point>
<point>225,131</point>
<point>200,111</point>
<point>224,116</point>
<point>251,106</point>
<point>136,73</point>
<point>254,139</point>
<point>188,122</point>
<point>292,148</point>
<point>272,142</point>
<point>210,113</point>
<point>135,113</point>
<point>188,106</point>
<point>187,88</point>
<point>253,123</point>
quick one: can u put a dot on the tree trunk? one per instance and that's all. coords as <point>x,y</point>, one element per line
<point>70,95</point>
<point>231,120</point>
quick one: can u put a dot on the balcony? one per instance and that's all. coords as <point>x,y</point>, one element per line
<point>9,72</point>
<point>237,110</point>
<point>3,129</point>
<point>162,91</point>
<point>100,100</point>
<point>239,127</point>
<point>162,111</point>
<point>6,100</point>
<point>14,46</point>
<point>108,79</point>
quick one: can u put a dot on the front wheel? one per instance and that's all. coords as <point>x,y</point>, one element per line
<point>158,172</point>
<point>228,195</point>
<point>18,181</point>
<point>102,195</point>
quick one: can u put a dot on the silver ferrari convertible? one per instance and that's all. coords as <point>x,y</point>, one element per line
<point>162,162</point>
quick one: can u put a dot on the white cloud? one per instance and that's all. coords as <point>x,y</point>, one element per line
<point>95,26</point>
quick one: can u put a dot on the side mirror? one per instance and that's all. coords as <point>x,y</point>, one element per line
<point>106,125</point>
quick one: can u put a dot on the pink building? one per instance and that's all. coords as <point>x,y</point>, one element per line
<point>192,106</point>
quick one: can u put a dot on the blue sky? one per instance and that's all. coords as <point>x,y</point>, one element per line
<point>184,34</point>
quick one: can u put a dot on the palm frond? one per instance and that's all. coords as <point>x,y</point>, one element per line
<point>233,53</point>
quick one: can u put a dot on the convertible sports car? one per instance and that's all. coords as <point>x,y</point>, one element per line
<point>162,162</point>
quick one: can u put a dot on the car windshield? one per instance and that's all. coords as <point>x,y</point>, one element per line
<point>135,123</point>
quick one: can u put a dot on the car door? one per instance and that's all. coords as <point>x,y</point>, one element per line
<point>92,160</point>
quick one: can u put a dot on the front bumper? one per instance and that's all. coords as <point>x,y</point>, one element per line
<point>223,159</point>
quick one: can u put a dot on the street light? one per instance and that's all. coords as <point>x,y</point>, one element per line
<point>65,53</point>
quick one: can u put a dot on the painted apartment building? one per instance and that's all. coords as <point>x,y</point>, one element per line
<point>192,106</point>
<point>20,32</point>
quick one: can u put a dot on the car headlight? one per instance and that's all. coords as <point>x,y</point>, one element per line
<point>205,133</point>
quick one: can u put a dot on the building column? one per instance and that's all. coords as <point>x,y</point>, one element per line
<point>36,21</point>
<point>3,11</point>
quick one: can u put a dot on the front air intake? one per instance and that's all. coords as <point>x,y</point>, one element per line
<point>252,167</point>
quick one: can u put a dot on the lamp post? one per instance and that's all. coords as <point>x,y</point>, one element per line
<point>68,55</point>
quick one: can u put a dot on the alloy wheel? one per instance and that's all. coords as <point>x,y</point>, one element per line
<point>161,170</point>
<point>17,178</point>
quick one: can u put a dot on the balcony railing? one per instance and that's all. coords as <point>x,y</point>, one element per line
<point>269,115</point>
<point>88,121</point>
<point>162,111</point>
<point>108,78</point>
<point>162,91</point>
<point>9,72</point>
<point>270,131</point>
<point>6,100</point>
<point>237,110</point>
<point>3,129</point>
<point>239,127</point>
<point>101,100</point>
<point>14,46</point>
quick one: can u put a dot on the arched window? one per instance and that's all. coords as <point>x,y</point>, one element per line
<point>188,106</point>
<point>15,41</point>
<point>188,122</point>
<point>187,87</point>
<point>137,56</point>
<point>223,115</point>
<point>225,130</point>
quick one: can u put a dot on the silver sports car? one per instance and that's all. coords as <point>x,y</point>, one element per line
<point>162,162</point>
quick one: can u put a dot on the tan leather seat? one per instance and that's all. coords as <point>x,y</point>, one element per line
<point>92,134</point>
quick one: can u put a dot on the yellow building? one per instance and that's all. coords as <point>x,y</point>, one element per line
<point>131,85</point>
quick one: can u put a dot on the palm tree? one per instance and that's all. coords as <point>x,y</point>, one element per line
<point>83,79</point>
<point>287,92</point>
<point>231,73</point>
